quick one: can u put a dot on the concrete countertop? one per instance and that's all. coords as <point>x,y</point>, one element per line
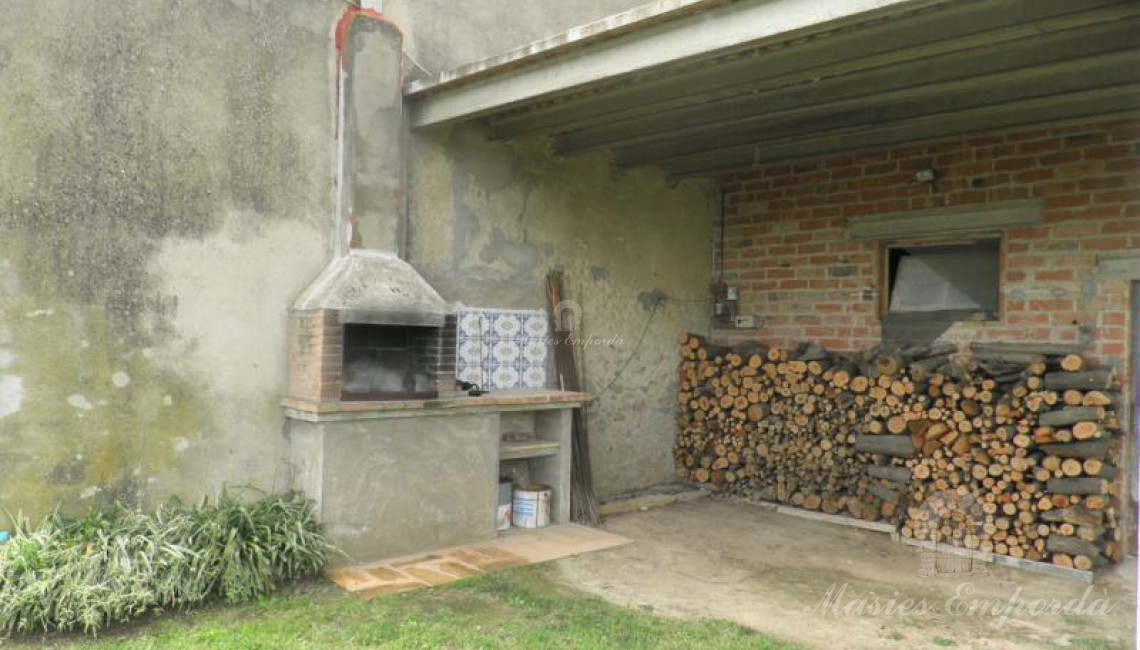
<point>514,400</point>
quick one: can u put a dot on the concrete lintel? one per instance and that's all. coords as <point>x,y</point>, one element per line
<point>642,46</point>
<point>1122,266</point>
<point>941,221</point>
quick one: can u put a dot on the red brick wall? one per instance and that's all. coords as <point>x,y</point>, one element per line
<point>787,249</point>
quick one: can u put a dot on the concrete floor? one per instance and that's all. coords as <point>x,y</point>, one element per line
<point>737,561</point>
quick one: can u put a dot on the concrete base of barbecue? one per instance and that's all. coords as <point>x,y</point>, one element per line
<point>395,478</point>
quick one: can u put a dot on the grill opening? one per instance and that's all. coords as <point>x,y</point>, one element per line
<point>387,362</point>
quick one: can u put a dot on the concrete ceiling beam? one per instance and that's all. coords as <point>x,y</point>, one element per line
<point>1009,115</point>
<point>959,28</point>
<point>694,37</point>
<point>1091,73</point>
<point>924,77</point>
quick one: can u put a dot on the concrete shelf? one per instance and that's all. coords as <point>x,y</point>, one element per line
<point>528,449</point>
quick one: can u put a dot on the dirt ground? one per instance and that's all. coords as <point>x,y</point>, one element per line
<point>774,572</point>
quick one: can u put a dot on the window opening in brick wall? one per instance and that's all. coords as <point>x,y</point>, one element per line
<point>940,278</point>
<point>930,286</point>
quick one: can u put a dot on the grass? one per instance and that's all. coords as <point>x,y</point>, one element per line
<point>1089,644</point>
<point>521,608</point>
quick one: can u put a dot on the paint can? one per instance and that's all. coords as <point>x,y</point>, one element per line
<point>503,515</point>
<point>532,506</point>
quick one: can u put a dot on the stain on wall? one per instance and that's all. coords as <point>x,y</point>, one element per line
<point>137,146</point>
<point>166,189</point>
<point>489,220</point>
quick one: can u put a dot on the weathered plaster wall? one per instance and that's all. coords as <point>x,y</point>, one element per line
<point>489,220</point>
<point>165,189</point>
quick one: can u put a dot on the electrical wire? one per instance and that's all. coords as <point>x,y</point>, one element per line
<point>633,355</point>
<point>720,262</point>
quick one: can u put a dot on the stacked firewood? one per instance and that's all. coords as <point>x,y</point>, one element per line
<point>1003,449</point>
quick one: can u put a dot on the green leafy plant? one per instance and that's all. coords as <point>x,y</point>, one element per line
<point>114,565</point>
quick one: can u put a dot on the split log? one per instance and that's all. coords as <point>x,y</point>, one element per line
<point>1072,362</point>
<point>1100,398</point>
<point>1088,431</point>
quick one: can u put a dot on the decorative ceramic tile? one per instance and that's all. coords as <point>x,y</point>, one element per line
<point>501,349</point>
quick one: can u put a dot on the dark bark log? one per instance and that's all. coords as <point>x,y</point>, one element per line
<point>1076,515</point>
<point>1051,349</point>
<point>1012,358</point>
<point>1091,449</point>
<point>749,348</point>
<point>811,352</point>
<point>1087,380</point>
<point>1079,486</point>
<point>1071,546</point>
<point>883,493</point>
<point>901,446</point>
<point>1071,415</point>
<point>900,475</point>
<point>915,352</point>
<point>923,368</point>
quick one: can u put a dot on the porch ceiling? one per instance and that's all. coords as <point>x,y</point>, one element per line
<point>699,87</point>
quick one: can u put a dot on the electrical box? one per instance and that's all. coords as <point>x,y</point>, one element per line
<point>746,322</point>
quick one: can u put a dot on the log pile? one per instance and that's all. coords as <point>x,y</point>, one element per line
<point>1003,448</point>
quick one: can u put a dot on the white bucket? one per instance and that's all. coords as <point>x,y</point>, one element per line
<point>532,506</point>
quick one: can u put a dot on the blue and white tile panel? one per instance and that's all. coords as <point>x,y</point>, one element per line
<point>501,349</point>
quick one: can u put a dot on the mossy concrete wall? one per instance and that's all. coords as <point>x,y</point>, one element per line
<point>166,190</point>
<point>489,220</point>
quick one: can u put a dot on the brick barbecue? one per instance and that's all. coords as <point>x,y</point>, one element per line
<point>370,328</point>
